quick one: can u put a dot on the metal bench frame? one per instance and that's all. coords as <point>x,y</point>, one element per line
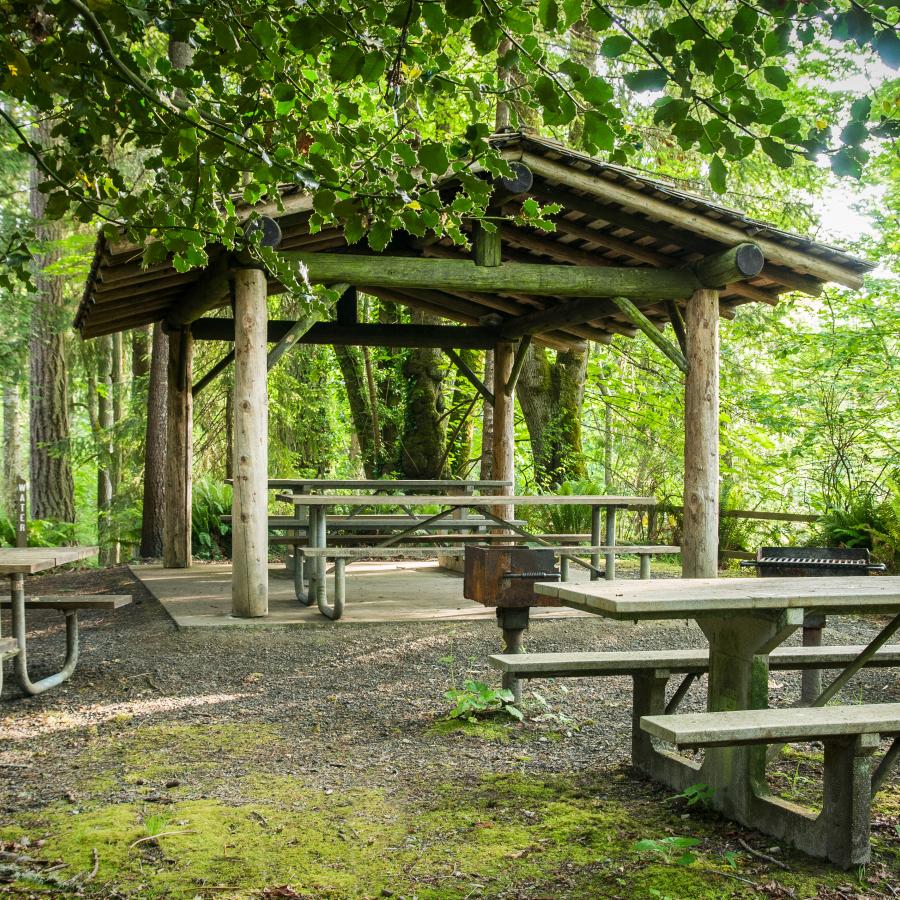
<point>70,607</point>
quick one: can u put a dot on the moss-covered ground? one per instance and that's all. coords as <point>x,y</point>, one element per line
<point>185,830</point>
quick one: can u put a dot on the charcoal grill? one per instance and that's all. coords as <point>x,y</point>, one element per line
<point>504,578</point>
<point>822,562</point>
<point>812,562</point>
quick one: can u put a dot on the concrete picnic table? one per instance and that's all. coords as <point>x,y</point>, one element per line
<point>744,619</point>
<point>319,504</point>
<point>17,562</point>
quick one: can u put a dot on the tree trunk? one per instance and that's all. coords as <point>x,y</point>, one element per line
<point>700,541</point>
<point>12,445</point>
<point>103,436</point>
<point>461,424</point>
<point>52,487</point>
<point>487,421</point>
<point>350,361</point>
<point>154,500</point>
<point>140,355</point>
<point>551,394</point>
<point>422,445</point>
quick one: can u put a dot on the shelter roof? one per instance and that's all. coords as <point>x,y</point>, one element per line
<point>611,216</point>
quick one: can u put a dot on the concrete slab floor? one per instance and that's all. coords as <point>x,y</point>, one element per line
<point>382,591</point>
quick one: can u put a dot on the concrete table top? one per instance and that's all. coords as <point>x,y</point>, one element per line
<point>461,501</point>
<point>29,560</point>
<point>374,484</point>
<point>700,597</point>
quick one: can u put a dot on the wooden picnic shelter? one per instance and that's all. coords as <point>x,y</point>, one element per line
<point>630,254</point>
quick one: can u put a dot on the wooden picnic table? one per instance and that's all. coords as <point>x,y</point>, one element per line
<point>17,562</point>
<point>744,619</point>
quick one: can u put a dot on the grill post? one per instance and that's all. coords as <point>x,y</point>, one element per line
<point>514,622</point>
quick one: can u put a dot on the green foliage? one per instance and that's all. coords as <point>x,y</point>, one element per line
<point>347,106</point>
<point>41,533</point>
<point>864,521</point>
<point>673,850</point>
<point>695,794</point>
<point>477,698</point>
<point>210,536</point>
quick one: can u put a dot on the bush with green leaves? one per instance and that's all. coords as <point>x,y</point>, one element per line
<point>865,521</point>
<point>476,698</point>
<point>210,535</point>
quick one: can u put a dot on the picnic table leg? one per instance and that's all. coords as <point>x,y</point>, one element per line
<point>319,564</point>
<point>513,621</point>
<point>32,688</point>
<point>739,647</point>
<point>610,542</point>
<point>595,541</point>
<point>811,679</point>
<point>645,565</point>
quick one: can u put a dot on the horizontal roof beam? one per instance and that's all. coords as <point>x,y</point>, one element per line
<point>407,273</point>
<point>458,337</point>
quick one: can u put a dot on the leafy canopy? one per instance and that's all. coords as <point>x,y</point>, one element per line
<point>369,105</point>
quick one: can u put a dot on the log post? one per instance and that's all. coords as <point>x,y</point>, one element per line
<point>249,510</point>
<point>179,452</point>
<point>700,542</point>
<point>504,439</point>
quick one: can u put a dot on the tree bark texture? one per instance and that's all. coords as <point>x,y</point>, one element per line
<point>504,462</point>
<point>551,394</point>
<point>12,444</point>
<point>350,361</point>
<point>422,445</point>
<point>52,487</point>
<point>487,422</point>
<point>700,542</point>
<point>104,446</point>
<point>250,542</point>
<point>461,422</point>
<point>153,506</point>
<point>179,453</point>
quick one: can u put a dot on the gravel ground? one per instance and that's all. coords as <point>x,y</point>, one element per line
<point>357,701</point>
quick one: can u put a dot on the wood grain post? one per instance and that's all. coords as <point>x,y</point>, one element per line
<point>504,467</point>
<point>179,452</point>
<point>249,510</point>
<point>700,544</point>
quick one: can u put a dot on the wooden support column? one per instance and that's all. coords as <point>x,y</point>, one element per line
<point>250,578</point>
<point>700,542</point>
<point>179,453</point>
<point>504,438</point>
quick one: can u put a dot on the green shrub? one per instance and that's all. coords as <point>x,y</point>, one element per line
<point>862,520</point>
<point>210,536</point>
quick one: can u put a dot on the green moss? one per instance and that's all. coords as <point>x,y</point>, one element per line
<point>481,729</point>
<point>501,834</point>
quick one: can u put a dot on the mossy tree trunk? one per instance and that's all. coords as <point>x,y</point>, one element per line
<point>352,366</point>
<point>461,421</point>
<point>422,444</point>
<point>52,485</point>
<point>550,391</point>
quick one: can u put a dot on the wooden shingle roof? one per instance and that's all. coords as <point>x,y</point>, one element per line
<point>611,216</point>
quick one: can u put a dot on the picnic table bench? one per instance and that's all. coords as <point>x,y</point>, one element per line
<point>745,620</point>
<point>21,561</point>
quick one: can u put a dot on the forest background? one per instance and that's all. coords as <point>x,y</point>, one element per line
<point>810,402</point>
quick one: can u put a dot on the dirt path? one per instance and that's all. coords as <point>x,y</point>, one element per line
<point>315,762</point>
